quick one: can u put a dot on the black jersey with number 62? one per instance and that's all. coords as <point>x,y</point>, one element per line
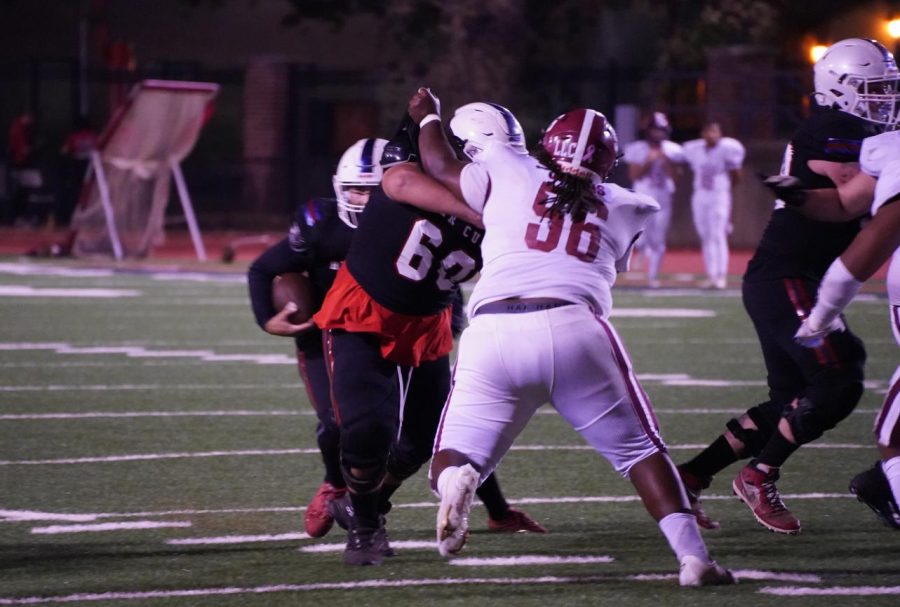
<point>408,260</point>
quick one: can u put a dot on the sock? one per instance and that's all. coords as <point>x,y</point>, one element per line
<point>776,451</point>
<point>384,497</point>
<point>447,474</point>
<point>891,470</point>
<point>365,508</point>
<point>492,498</point>
<point>712,460</point>
<point>683,535</point>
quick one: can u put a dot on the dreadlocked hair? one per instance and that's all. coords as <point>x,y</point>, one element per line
<point>572,190</point>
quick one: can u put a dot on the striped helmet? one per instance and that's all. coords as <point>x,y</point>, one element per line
<point>359,167</point>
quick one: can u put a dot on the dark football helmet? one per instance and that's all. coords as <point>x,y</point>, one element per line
<point>403,146</point>
<point>583,141</point>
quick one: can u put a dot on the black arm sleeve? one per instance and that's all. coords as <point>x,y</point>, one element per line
<point>277,259</point>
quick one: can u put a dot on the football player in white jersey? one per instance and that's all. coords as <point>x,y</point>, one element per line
<point>556,235</point>
<point>879,240</point>
<point>653,163</point>
<point>716,163</point>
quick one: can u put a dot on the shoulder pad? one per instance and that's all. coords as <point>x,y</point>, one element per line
<point>878,151</point>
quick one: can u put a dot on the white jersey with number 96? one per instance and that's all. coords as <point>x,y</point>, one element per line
<point>528,254</point>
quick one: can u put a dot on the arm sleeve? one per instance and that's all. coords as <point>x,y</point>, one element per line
<point>277,259</point>
<point>475,184</point>
<point>735,154</point>
<point>837,290</point>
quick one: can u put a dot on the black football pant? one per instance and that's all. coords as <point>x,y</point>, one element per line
<point>314,373</point>
<point>367,391</point>
<point>827,380</point>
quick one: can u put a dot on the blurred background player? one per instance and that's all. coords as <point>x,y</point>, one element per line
<point>879,486</point>
<point>716,163</point>
<point>653,163</point>
<point>388,338</point>
<point>555,236</point>
<point>810,390</point>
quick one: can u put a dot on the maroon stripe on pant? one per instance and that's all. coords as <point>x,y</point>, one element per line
<point>641,406</point>
<point>800,300</point>
<point>304,375</point>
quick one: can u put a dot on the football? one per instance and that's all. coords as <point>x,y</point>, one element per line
<point>297,288</point>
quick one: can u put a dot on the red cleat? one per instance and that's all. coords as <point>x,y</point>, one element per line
<point>318,520</point>
<point>515,521</point>
<point>757,489</point>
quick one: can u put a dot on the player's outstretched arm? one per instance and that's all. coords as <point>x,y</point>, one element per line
<point>438,158</point>
<point>407,183</point>
<point>869,250</point>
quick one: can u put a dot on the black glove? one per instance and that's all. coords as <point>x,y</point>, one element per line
<point>786,188</point>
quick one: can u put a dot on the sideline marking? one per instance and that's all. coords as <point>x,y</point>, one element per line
<point>832,591</point>
<point>237,539</point>
<point>98,527</point>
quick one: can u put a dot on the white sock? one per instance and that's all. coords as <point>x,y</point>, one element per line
<point>446,475</point>
<point>683,534</point>
<point>891,469</point>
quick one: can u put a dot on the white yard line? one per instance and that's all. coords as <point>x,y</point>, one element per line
<point>237,539</point>
<point>353,585</point>
<point>100,527</point>
<point>139,414</point>
<point>17,516</point>
<point>831,591</point>
<point>138,457</point>
<point>526,560</point>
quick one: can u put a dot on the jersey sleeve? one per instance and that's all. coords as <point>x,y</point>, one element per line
<point>888,185</point>
<point>878,151</point>
<point>475,184</point>
<point>277,259</point>
<point>635,153</point>
<point>734,153</point>
<point>674,152</point>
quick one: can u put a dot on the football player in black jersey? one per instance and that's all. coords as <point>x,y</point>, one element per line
<point>810,391</point>
<point>317,244</point>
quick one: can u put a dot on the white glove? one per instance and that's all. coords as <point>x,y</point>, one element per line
<point>810,337</point>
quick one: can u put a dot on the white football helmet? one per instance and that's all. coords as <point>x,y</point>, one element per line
<point>475,124</point>
<point>859,76</point>
<point>359,167</point>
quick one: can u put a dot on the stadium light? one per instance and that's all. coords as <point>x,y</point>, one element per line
<point>893,29</point>
<point>816,51</point>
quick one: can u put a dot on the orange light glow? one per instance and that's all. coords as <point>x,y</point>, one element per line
<point>816,51</point>
<point>893,28</point>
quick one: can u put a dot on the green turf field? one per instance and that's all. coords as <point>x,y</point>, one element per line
<point>156,448</point>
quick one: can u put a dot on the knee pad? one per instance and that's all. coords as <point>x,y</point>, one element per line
<point>363,486</point>
<point>753,438</point>
<point>403,463</point>
<point>811,419</point>
<point>366,445</point>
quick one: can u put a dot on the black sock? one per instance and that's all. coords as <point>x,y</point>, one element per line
<point>776,451</point>
<point>384,498</point>
<point>712,460</point>
<point>365,508</point>
<point>489,493</point>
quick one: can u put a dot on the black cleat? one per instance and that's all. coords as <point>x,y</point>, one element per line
<point>364,546</point>
<point>871,488</point>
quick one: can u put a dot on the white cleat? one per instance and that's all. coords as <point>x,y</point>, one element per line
<point>696,572</point>
<point>453,513</point>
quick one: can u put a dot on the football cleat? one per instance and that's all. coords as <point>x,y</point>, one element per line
<point>693,485</point>
<point>365,546</point>
<point>697,572</point>
<point>318,520</point>
<point>871,488</point>
<point>453,512</point>
<point>515,521</point>
<point>341,510</point>
<point>757,489</point>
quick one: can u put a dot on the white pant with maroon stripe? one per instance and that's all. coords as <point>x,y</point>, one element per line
<point>887,424</point>
<point>511,364</point>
